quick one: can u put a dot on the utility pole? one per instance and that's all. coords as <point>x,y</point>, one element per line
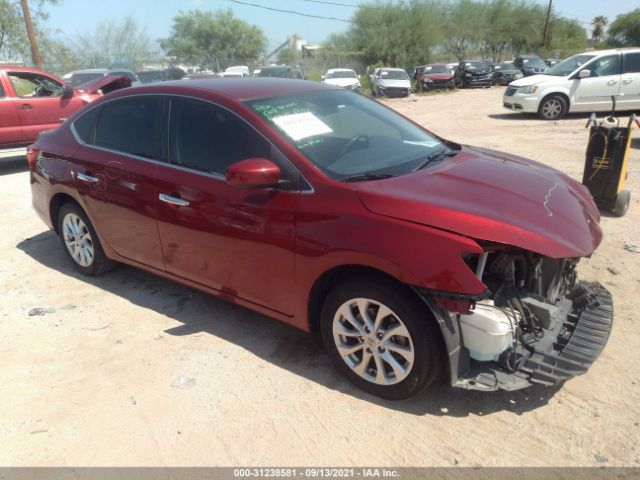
<point>546,26</point>
<point>35,51</point>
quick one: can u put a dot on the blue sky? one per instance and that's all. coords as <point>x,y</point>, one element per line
<point>78,16</point>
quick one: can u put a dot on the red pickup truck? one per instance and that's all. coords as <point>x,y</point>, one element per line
<point>32,101</point>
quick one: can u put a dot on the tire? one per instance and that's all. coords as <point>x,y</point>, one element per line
<point>552,107</point>
<point>80,241</point>
<point>402,374</point>
<point>623,199</point>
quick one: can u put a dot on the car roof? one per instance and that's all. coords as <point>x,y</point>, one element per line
<point>90,70</point>
<point>238,89</point>
<point>341,70</point>
<point>611,51</point>
<point>393,69</point>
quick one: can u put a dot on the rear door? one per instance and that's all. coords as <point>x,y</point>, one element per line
<point>40,103</point>
<point>237,241</point>
<point>595,91</point>
<point>630,82</point>
<point>114,170</point>
<point>10,127</point>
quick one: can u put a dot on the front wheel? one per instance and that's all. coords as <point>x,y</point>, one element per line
<point>381,337</point>
<point>553,107</point>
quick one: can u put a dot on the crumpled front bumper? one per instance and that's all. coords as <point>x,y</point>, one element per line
<point>565,351</point>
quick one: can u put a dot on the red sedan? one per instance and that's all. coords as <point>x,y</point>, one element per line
<point>410,254</point>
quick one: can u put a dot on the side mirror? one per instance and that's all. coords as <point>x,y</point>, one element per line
<point>67,91</point>
<point>253,173</point>
<point>584,73</point>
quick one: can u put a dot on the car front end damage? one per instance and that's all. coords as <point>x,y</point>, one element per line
<point>535,324</point>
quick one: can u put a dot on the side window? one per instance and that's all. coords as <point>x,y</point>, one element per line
<point>2,95</point>
<point>84,124</point>
<point>28,85</point>
<point>632,62</point>
<point>207,138</point>
<point>609,65</point>
<point>129,126</point>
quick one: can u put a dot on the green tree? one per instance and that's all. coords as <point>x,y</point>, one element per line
<point>567,37</point>
<point>598,25</point>
<point>214,40</point>
<point>401,34</point>
<point>14,44</point>
<point>625,30</point>
<point>115,44</point>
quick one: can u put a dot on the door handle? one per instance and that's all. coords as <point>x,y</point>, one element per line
<point>178,202</point>
<point>627,81</point>
<point>87,178</point>
<point>26,106</point>
<point>612,82</point>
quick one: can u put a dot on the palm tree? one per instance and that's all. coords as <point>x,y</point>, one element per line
<point>598,24</point>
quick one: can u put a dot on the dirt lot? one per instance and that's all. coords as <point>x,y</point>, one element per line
<point>129,369</point>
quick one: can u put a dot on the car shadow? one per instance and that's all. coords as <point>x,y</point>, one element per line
<point>11,165</point>
<point>271,340</point>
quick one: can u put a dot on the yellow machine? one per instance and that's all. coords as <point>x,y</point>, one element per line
<point>605,167</point>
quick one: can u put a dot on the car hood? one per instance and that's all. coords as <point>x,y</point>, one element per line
<point>532,80</point>
<point>395,83</point>
<point>478,71</point>
<point>438,76</point>
<point>341,82</point>
<point>103,82</point>
<point>493,196</point>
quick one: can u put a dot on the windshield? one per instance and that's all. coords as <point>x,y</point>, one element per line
<point>437,69</point>
<point>342,74</point>
<point>569,65</point>
<point>346,134</point>
<point>151,77</point>
<point>474,65</point>
<point>394,75</point>
<point>533,62</point>
<point>80,78</point>
<point>274,72</point>
<point>506,66</point>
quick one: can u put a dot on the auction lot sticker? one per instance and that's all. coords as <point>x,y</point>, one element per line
<point>301,125</point>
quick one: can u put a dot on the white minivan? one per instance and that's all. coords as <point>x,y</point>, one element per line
<point>582,83</point>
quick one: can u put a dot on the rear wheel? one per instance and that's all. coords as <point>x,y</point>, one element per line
<point>553,107</point>
<point>381,337</point>
<point>80,241</point>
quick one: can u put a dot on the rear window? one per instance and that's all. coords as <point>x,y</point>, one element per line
<point>129,126</point>
<point>632,62</point>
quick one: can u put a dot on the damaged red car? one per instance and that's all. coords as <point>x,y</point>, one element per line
<point>33,101</point>
<point>411,255</point>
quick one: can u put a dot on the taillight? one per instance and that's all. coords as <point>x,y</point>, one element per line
<point>32,156</point>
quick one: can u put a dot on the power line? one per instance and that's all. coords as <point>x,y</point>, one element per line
<point>292,12</point>
<point>374,7</point>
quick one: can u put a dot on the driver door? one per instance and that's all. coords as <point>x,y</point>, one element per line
<point>237,241</point>
<point>39,102</point>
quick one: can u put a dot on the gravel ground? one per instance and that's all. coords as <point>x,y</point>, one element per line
<point>129,369</point>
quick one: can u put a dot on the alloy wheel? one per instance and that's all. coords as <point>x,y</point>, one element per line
<point>552,108</point>
<point>77,239</point>
<point>373,341</point>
